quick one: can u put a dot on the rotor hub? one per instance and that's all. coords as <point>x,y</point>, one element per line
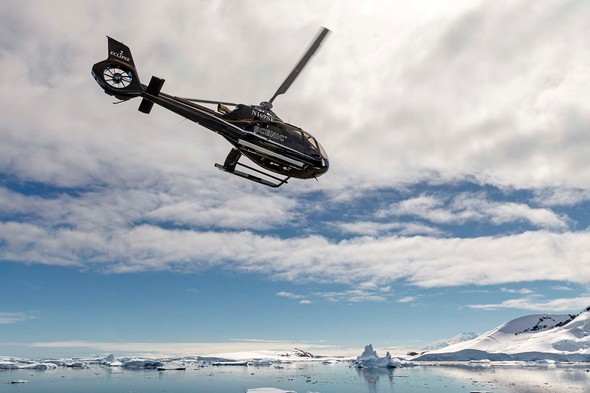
<point>267,106</point>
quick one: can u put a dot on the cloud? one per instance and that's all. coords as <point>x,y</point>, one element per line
<point>290,295</point>
<point>352,295</point>
<point>362,294</point>
<point>261,340</point>
<point>462,101</point>
<point>523,291</point>
<point>477,207</point>
<point>167,204</point>
<point>186,348</point>
<point>371,228</point>
<point>13,317</point>
<point>561,196</point>
<point>555,305</point>
<point>406,299</point>
<point>419,260</point>
<point>561,288</point>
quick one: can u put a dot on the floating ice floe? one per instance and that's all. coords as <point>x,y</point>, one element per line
<point>172,366</point>
<point>27,366</point>
<point>230,363</point>
<point>269,390</point>
<point>76,364</point>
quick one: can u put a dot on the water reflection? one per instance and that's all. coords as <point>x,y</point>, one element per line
<point>513,379</point>
<point>311,377</point>
<point>373,376</point>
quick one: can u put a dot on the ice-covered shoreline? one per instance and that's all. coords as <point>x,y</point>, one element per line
<point>8,363</point>
<point>531,340</point>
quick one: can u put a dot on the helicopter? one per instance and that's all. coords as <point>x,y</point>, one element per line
<point>280,150</point>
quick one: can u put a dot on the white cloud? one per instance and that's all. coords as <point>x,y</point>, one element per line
<point>13,317</point>
<point>372,228</point>
<point>523,291</point>
<point>473,207</point>
<point>352,295</point>
<point>406,299</point>
<point>290,295</point>
<point>561,288</point>
<point>187,348</point>
<point>554,305</point>
<point>422,261</point>
<point>185,205</point>
<point>448,98</point>
<point>561,196</point>
<point>305,302</point>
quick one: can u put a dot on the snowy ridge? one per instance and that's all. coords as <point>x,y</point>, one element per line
<point>459,338</point>
<point>558,337</point>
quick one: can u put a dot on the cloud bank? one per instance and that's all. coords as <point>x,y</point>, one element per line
<point>493,94</point>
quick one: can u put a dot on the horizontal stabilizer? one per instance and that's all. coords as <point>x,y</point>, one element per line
<point>153,89</point>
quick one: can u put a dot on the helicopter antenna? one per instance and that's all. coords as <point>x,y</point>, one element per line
<point>299,67</point>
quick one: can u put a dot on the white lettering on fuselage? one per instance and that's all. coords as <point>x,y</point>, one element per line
<point>271,134</point>
<point>261,115</point>
<point>121,56</point>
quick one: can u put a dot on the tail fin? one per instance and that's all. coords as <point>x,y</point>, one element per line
<point>117,74</point>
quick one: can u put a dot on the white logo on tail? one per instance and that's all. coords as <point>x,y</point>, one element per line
<point>121,56</point>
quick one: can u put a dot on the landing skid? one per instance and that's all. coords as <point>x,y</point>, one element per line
<point>231,162</point>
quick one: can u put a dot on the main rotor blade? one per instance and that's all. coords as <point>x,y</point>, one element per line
<point>295,73</point>
<point>208,101</point>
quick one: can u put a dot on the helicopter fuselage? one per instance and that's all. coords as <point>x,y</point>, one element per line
<point>259,135</point>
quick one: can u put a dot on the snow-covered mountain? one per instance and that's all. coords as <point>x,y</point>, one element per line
<point>559,337</point>
<point>459,338</point>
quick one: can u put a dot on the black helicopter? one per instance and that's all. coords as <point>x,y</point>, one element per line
<point>255,131</point>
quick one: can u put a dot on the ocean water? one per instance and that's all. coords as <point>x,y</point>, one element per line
<point>305,378</point>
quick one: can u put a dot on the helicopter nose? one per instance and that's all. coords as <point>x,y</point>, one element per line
<point>324,167</point>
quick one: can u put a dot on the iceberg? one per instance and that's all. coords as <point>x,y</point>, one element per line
<point>139,364</point>
<point>370,359</point>
<point>27,366</point>
<point>40,366</point>
<point>8,366</point>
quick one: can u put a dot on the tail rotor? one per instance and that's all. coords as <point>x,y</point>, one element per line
<point>117,74</point>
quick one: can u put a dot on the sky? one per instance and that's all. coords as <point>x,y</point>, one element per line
<point>457,199</point>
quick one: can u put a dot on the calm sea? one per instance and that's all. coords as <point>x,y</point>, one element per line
<point>304,378</point>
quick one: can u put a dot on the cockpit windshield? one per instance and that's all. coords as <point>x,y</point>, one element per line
<point>315,144</point>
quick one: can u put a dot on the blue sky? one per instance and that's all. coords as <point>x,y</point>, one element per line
<point>457,197</point>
